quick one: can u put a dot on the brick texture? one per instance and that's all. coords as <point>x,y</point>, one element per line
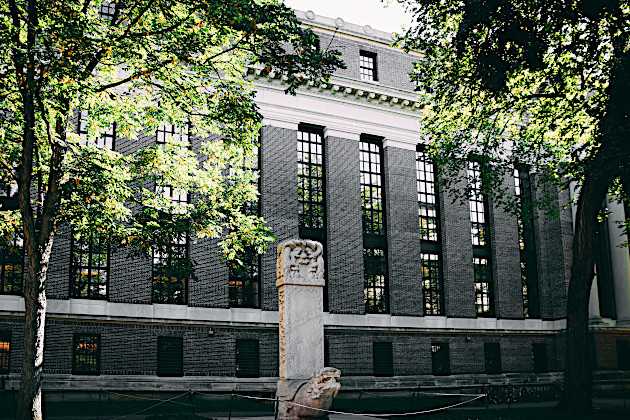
<point>457,254</point>
<point>208,287</point>
<point>58,286</point>
<point>506,268</point>
<point>279,204</point>
<point>403,257</point>
<point>393,66</point>
<point>129,277</point>
<point>344,230</point>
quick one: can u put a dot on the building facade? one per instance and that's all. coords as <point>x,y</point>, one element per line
<point>419,286</point>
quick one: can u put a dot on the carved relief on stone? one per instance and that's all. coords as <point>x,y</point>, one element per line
<point>304,399</point>
<point>300,262</point>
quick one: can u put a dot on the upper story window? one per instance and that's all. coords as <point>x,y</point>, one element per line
<point>372,200</point>
<point>429,227</point>
<point>173,133</point>
<point>376,294</point>
<point>5,351</point>
<point>90,267</point>
<point>484,297</point>
<point>107,139</point>
<point>12,266</point>
<point>311,192</point>
<point>244,277</point>
<point>86,354</point>
<point>526,243</point>
<point>8,190</point>
<point>170,272</point>
<point>107,10</point>
<point>478,205</point>
<point>367,66</point>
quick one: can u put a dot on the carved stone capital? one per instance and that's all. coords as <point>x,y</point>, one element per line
<point>300,262</point>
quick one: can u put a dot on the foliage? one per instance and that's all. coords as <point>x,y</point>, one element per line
<point>139,64</point>
<point>515,81</point>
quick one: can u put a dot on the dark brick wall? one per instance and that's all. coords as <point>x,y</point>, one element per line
<point>403,256</point>
<point>506,269</point>
<point>393,66</point>
<point>279,204</point>
<point>457,254</point>
<point>208,286</point>
<point>550,252</point>
<point>344,230</point>
<point>129,277</point>
<point>58,286</point>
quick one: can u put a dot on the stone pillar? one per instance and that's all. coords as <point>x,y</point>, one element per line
<point>620,259</point>
<point>305,387</point>
<point>300,282</point>
<point>594,316</point>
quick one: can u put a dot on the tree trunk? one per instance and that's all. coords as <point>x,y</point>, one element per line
<point>578,373</point>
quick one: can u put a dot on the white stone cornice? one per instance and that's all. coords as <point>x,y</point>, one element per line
<point>331,132</point>
<point>160,313</point>
<point>399,144</point>
<point>278,121</point>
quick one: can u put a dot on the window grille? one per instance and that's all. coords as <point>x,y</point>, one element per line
<point>526,243</point>
<point>86,354</point>
<point>483,287</point>
<point>383,359</point>
<point>166,133</point>
<point>247,358</point>
<point>429,227</point>
<point>107,10</point>
<point>107,139</point>
<point>440,359</point>
<point>5,351</point>
<point>90,267</point>
<point>478,215</point>
<point>12,266</point>
<point>170,272</point>
<point>367,66</point>
<point>374,229</point>
<point>311,192</point>
<point>170,357</point>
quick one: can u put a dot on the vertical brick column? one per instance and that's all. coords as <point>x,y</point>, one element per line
<point>129,277</point>
<point>403,255</point>
<point>278,200</point>
<point>506,264</point>
<point>457,267</point>
<point>344,226</point>
<point>550,253</point>
<point>208,287</point>
<point>58,286</point>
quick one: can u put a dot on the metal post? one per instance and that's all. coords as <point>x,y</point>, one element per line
<point>230,407</point>
<point>276,408</point>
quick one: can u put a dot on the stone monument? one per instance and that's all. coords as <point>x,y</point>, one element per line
<point>304,382</point>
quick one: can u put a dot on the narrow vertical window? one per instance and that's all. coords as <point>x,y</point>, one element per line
<point>440,359</point>
<point>428,221</point>
<point>492,357</point>
<point>247,358</point>
<point>623,354</point>
<point>170,272</point>
<point>11,265</point>
<point>540,357</point>
<point>311,188</point>
<point>86,357</point>
<point>480,237</point>
<point>244,277</point>
<point>90,267</point>
<point>170,356</point>
<point>383,359</point>
<point>5,351</point>
<point>483,287</point>
<point>526,243</point>
<point>367,66</point>
<point>107,139</point>
<point>107,10</point>
<point>374,229</point>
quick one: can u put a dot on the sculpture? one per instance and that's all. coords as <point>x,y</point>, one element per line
<point>303,378</point>
<point>317,392</point>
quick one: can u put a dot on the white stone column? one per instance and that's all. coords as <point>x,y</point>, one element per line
<point>594,315</point>
<point>300,282</point>
<point>620,259</point>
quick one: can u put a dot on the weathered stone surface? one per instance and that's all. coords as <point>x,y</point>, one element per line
<point>306,399</point>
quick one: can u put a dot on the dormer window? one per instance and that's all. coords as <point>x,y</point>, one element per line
<point>367,66</point>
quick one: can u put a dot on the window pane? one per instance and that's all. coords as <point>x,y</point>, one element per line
<point>170,356</point>
<point>86,354</point>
